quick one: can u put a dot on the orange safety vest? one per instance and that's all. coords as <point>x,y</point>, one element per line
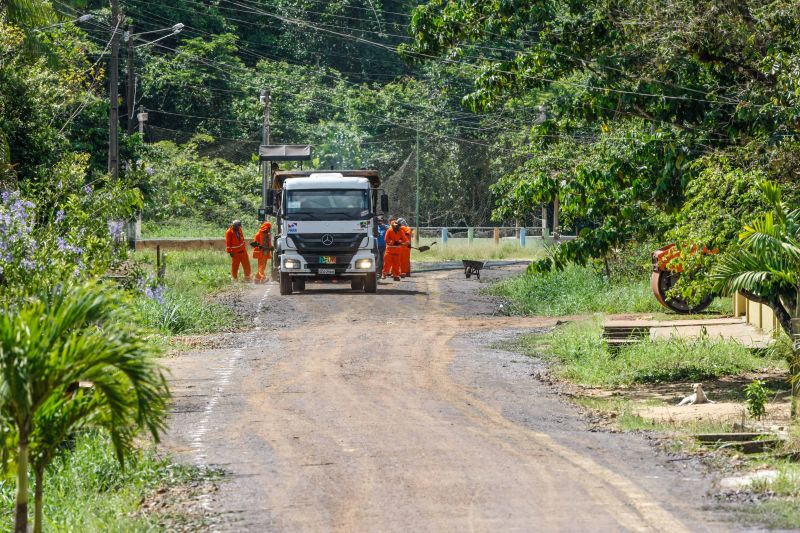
<point>234,241</point>
<point>264,241</point>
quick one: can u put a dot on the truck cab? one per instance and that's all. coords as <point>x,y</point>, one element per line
<point>327,228</point>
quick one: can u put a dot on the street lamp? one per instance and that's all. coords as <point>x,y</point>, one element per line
<point>129,37</point>
<point>82,18</point>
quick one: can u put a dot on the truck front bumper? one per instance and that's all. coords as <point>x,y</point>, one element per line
<point>363,262</point>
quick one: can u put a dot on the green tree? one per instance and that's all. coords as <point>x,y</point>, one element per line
<point>51,343</point>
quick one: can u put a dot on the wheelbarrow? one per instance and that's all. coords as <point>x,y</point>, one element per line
<point>472,268</point>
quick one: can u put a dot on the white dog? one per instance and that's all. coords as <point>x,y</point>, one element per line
<point>697,397</point>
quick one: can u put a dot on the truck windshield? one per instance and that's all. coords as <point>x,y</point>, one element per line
<point>327,204</point>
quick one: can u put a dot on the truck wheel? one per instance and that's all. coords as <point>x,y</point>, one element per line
<point>371,283</point>
<point>299,284</point>
<point>286,284</point>
<point>357,284</point>
<point>275,272</point>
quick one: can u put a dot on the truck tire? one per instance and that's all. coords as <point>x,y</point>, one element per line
<point>286,284</point>
<point>298,284</point>
<point>357,283</point>
<point>275,271</point>
<point>371,283</point>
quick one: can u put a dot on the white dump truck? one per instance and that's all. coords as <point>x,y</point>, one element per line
<point>327,227</point>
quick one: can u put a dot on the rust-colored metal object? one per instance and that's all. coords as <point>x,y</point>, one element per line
<point>664,277</point>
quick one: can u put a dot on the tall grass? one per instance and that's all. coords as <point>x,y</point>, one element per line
<point>187,306</point>
<point>581,356</point>
<point>86,489</point>
<point>574,290</point>
<point>579,290</point>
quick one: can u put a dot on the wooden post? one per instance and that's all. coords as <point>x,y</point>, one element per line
<point>497,235</point>
<point>470,235</point>
<point>444,235</point>
<point>522,237</point>
<point>158,263</point>
<point>556,229</point>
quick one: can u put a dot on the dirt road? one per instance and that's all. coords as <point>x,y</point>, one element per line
<point>392,412</point>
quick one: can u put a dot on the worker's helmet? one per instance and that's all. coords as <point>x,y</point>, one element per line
<point>402,222</point>
<point>236,223</point>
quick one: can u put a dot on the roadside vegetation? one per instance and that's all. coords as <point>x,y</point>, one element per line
<point>579,290</point>
<point>91,491</point>
<point>186,301</point>
<point>582,356</point>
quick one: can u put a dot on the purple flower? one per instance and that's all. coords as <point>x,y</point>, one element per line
<point>87,189</point>
<point>7,196</point>
<point>59,216</point>
<point>65,247</point>
<point>150,171</point>
<point>156,293</point>
<point>27,264</point>
<point>116,228</point>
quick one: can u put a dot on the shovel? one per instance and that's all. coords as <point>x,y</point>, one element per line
<point>423,248</point>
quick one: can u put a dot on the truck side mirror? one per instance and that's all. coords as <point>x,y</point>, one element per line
<point>385,203</point>
<point>263,212</point>
<point>270,198</point>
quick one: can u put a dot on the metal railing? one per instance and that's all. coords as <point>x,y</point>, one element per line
<point>483,234</point>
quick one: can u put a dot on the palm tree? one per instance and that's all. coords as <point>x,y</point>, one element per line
<point>55,341</point>
<point>765,267</point>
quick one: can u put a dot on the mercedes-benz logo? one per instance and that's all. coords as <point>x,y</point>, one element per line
<point>327,239</point>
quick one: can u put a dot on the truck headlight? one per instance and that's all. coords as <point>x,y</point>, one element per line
<point>364,264</point>
<point>291,263</point>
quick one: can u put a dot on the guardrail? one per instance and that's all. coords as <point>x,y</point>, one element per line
<point>475,235</point>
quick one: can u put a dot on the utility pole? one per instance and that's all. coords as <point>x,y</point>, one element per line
<point>266,178</point>
<point>131,96</point>
<point>416,207</point>
<point>113,90</point>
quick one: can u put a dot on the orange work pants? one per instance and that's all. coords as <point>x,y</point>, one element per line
<point>405,261</point>
<point>262,265</point>
<point>240,258</point>
<point>391,261</point>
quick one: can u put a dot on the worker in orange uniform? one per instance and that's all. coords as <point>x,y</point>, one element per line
<point>262,250</point>
<point>405,252</point>
<point>237,249</point>
<point>396,239</point>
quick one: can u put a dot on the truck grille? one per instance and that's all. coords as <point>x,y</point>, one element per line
<point>312,243</point>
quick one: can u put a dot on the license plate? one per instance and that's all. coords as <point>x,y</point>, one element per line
<point>328,271</point>
<point>327,259</point>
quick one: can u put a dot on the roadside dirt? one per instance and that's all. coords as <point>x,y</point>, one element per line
<point>392,412</point>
